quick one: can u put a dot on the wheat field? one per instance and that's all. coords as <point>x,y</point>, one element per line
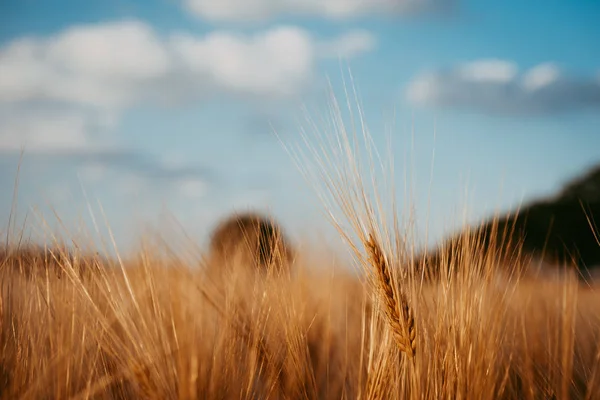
<point>75,324</point>
<point>154,326</point>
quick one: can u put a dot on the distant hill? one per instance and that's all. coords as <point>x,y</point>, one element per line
<point>557,229</point>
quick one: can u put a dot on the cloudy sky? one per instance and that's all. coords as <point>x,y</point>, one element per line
<point>144,106</point>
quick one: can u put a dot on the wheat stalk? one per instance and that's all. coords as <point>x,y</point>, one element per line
<point>397,311</point>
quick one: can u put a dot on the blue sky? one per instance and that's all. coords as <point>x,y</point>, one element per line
<point>155,104</point>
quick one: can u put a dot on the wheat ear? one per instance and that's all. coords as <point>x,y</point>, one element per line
<point>397,311</point>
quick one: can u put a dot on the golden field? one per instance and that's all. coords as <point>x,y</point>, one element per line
<point>154,326</point>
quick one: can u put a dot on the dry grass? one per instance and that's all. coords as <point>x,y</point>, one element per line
<point>155,326</point>
<point>159,330</point>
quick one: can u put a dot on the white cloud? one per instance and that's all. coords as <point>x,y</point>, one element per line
<point>127,50</point>
<point>102,65</point>
<point>423,88</point>
<point>114,65</point>
<point>541,76</point>
<point>47,131</point>
<point>253,10</point>
<point>278,61</point>
<point>349,45</point>
<point>95,72</point>
<point>497,87</point>
<point>495,71</point>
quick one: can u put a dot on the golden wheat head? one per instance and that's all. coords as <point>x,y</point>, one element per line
<point>397,311</point>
